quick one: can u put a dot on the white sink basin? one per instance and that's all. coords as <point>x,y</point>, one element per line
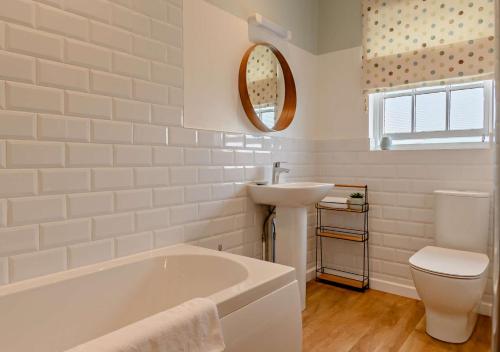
<point>294,195</point>
<point>291,201</point>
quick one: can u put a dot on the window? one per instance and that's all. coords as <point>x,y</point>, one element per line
<point>459,113</point>
<point>267,114</point>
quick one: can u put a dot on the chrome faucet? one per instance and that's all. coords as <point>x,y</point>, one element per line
<point>277,170</point>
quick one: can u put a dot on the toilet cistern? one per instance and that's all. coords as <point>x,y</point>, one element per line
<point>277,170</point>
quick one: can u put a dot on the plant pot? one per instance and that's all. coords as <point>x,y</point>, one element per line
<point>386,143</point>
<point>356,203</point>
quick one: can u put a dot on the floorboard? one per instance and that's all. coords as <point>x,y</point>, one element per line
<point>338,319</point>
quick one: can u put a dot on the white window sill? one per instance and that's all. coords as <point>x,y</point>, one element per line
<point>435,146</point>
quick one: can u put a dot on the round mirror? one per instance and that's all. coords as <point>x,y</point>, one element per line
<point>267,88</point>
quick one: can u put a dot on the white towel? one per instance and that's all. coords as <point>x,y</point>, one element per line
<point>193,326</point>
<point>334,202</point>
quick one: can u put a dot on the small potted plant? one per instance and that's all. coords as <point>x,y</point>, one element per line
<point>356,201</point>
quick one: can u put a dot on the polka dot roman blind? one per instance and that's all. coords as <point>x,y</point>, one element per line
<point>262,79</point>
<point>412,43</point>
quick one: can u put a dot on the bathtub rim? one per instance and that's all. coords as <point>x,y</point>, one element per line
<point>263,277</point>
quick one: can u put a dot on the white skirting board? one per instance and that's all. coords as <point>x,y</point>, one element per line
<point>402,290</point>
<point>310,274</point>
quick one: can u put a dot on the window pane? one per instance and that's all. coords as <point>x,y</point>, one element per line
<point>397,115</point>
<point>268,118</point>
<point>430,112</point>
<point>467,109</point>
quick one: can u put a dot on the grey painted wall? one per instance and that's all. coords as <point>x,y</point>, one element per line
<point>339,25</point>
<point>299,16</point>
<point>318,26</point>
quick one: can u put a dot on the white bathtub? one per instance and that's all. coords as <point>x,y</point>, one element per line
<point>258,302</point>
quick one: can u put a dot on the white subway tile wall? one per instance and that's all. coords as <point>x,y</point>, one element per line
<point>401,185</point>
<point>94,163</point>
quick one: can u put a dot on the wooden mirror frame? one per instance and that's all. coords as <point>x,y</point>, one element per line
<point>290,103</point>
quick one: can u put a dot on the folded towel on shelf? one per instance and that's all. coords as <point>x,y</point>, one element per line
<point>334,202</point>
<point>193,326</point>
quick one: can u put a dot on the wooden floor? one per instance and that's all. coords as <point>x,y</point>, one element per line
<point>338,319</point>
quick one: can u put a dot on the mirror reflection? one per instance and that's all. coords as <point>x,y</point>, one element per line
<point>266,85</point>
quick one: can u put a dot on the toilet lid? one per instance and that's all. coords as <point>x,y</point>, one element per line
<point>450,262</point>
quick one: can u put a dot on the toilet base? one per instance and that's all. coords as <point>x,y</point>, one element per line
<point>453,328</point>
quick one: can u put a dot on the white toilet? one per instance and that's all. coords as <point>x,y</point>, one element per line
<point>450,278</point>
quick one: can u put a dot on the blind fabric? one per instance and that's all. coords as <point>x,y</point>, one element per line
<point>412,43</point>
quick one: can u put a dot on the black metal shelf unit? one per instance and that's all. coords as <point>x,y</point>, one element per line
<point>337,276</point>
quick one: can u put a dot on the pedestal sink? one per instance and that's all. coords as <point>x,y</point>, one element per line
<point>291,201</point>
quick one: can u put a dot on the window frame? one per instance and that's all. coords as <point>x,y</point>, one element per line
<point>377,106</point>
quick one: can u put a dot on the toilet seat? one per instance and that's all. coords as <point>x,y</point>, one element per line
<point>450,263</point>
